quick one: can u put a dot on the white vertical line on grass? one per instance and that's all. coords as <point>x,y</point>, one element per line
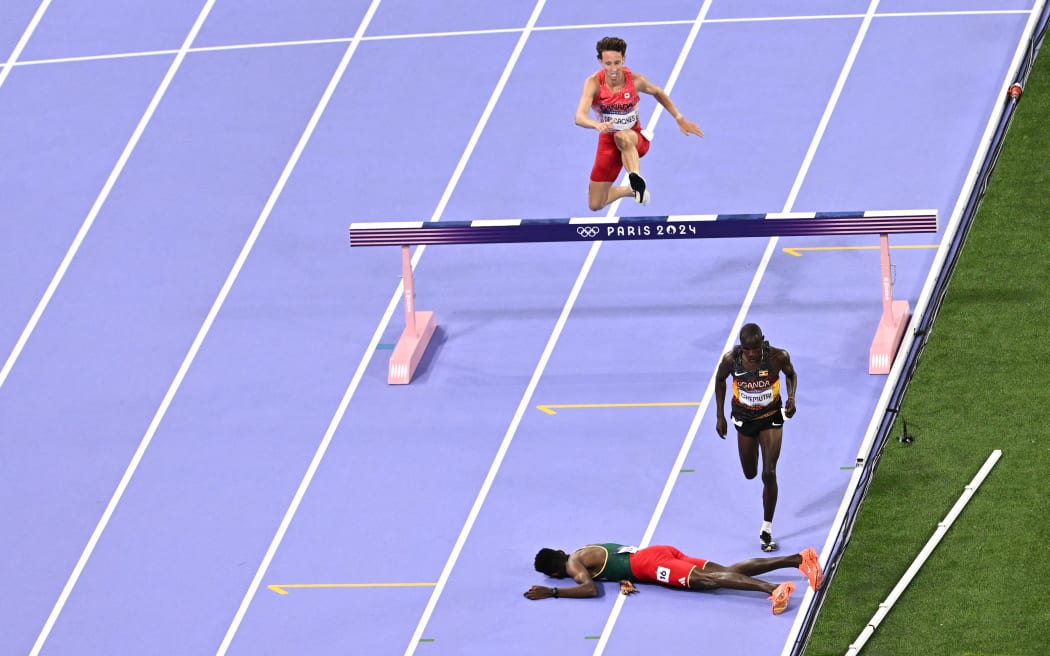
<point>756,280</point>
<point>100,200</point>
<point>322,105</point>
<point>924,554</point>
<point>6,69</point>
<point>71,582</point>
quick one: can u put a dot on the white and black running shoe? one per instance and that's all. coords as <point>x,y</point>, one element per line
<point>637,182</point>
<point>767,541</point>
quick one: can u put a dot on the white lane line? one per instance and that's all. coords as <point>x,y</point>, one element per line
<point>523,404</point>
<point>822,126</point>
<point>42,305</point>
<point>486,114</point>
<point>119,55</point>
<point>351,389</point>
<point>238,617</point>
<point>614,614</point>
<point>508,437</point>
<point>508,30</point>
<point>103,195</point>
<point>974,12</point>
<point>756,280</point>
<point>12,60</point>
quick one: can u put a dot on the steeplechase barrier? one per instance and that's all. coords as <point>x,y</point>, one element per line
<point>420,325</point>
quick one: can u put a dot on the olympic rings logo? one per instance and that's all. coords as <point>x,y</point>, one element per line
<point>587,232</point>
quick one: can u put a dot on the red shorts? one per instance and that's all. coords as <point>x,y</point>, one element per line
<point>607,162</point>
<point>664,564</point>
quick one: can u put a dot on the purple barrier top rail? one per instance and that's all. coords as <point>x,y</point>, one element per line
<point>686,226</point>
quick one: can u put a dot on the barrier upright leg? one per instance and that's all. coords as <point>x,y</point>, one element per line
<point>895,315</point>
<point>419,328</point>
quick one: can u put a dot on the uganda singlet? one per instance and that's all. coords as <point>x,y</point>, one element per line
<point>617,565</point>
<point>756,394</point>
<point>620,107</point>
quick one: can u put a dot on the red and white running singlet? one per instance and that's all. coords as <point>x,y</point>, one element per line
<point>620,107</point>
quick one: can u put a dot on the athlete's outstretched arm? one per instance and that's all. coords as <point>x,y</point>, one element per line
<point>574,568</point>
<point>645,86</point>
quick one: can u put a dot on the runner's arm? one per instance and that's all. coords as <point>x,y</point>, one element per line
<point>791,377</point>
<point>583,119</point>
<point>643,85</point>
<point>586,588</point>
<point>725,367</point>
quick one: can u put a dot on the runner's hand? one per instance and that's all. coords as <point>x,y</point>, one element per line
<point>626,588</point>
<point>789,408</point>
<point>539,592</point>
<point>688,127</point>
<point>721,427</point>
<point>604,127</point>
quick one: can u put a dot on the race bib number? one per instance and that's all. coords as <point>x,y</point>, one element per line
<point>663,574</point>
<point>623,550</point>
<point>753,399</point>
<point>621,121</point>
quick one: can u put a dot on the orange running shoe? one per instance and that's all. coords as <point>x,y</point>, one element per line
<point>781,596</point>
<point>811,568</point>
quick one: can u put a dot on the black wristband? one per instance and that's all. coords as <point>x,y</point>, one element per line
<point>554,592</point>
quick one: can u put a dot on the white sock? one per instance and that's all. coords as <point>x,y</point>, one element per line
<point>767,527</point>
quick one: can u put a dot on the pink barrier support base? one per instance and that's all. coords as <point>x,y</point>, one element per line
<point>410,348</point>
<point>888,338</point>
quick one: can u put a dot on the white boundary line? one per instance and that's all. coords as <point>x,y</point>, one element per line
<point>71,582</point>
<point>544,28</point>
<point>771,248</point>
<point>998,106</point>
<point>927,550</point>
<point>12,60</point>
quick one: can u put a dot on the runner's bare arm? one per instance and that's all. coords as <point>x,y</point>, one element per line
<point>583,119</point>
<point>578,571</point>
<point>725,367</point>
<point>643,85</point>
<point>788,369</point>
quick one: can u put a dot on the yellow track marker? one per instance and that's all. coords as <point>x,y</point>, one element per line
<point>549,409</point>
<point>795,250</point>
<point>282,589</point>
